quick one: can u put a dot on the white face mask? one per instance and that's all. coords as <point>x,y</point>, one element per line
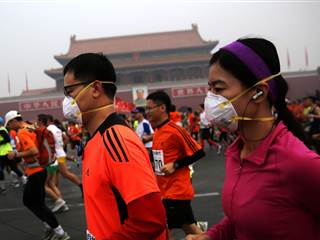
<point>219,114</point>
<point>71,110</point>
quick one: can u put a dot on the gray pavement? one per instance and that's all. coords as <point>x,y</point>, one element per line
<point>17,223</point>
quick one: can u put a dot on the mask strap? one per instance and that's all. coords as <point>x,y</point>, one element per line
<point>223,104</point>
<point>75,98</point>
<point>99,108</point>
<point>235,118</point>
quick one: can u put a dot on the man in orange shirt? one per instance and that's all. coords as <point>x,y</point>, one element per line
<point>34,191</point>
<point>121,196</point>
<point>173,151</point>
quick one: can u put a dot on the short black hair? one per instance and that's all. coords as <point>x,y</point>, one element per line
<point>50,117</point>
<point>160,97</point>
<point>141,110</point>
<point>89,67</point>
<point>43,118</point>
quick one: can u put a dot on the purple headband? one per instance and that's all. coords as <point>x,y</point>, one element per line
<point>254,62</point>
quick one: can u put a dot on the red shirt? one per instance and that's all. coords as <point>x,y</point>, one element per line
<point>274,195</point>
<point>116,171</point>
<point>175,143</point>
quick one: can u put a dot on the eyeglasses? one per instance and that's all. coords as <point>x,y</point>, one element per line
<point>68,89</point>
<point>149,109</point>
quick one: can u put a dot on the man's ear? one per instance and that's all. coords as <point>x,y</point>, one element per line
<point>97,89</point>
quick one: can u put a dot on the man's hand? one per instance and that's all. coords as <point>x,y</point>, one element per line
<point>11,155</point>
<point>197,237</point>
<point>168,168</point>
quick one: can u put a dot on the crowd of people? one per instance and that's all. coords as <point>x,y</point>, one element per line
<point>137,168</point>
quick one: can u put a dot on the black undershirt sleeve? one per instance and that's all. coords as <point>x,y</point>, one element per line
<point>186,161</point>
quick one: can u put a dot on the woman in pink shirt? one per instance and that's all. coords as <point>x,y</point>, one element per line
<point>272,183</point>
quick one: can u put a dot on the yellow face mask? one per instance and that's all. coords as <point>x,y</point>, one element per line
<point>71,110</point>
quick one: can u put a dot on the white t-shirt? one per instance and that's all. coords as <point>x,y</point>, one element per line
<point>57,134</point>
<point>143,129</point>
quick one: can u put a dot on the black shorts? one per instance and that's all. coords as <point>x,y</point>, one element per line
<point>179,212</point>
<point>205,133</point>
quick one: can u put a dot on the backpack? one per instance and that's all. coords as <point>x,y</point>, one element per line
<point>46,146</point>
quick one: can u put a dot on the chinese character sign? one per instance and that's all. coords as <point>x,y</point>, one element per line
<point>40,105</point>
<point>189,91</point>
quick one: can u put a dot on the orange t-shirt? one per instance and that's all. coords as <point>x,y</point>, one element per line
<point>116,171</point>
<point>28,139</point>
<point>173,143</point>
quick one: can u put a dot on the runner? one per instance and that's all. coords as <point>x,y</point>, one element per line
<point>65,172</point>
<point>51,186</point>
<point>173,151</point>
<point>12,165</point>
<point>144,129</point>
<point>122,200</point>
<point>34,191</point>
<point>272,185</point>
<point>205,134</point>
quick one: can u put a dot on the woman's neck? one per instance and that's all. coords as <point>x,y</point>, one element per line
<point>252,133</point>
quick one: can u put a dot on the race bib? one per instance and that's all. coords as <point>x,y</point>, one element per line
<point>158,161</point>
<point>90,236</point>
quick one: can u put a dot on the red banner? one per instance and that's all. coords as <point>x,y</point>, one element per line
<point>189,91</point>
<point>123,106</point>
<point>40,105</point>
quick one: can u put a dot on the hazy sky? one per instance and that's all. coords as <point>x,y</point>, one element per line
<point>32,32</point>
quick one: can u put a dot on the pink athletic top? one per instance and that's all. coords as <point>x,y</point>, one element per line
<point>275,194</point>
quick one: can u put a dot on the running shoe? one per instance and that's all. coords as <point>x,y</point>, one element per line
<point>3,190</point>
<point>219,149</point>
<point>65,236</point>
<point>57,205</point>
<point>23,179</point>
<point>15,184</point>
<point>64,208</point>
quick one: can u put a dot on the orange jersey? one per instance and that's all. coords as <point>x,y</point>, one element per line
<point>175,117</point>
<point>116,171</point>
<point>174,143</point>
<point>28,139</point>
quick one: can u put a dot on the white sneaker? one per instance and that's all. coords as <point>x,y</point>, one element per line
<point>219,149</point>
<point>64,208</point>
<point>13,174</point>
<point>15,184</point>
<point>57,205</point>
<point>65,236</point>
<point>3,190</point>
<point>23,179</point>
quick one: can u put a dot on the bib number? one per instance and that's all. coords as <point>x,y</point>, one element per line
<point>158,161</point>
